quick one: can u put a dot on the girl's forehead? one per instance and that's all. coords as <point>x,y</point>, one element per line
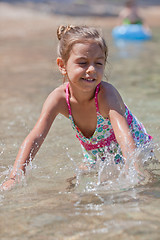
<point>86,48</point>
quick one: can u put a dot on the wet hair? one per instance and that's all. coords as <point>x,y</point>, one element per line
<point>70,35</point>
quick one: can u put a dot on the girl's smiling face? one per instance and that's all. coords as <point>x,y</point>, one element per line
<point>85,65</point>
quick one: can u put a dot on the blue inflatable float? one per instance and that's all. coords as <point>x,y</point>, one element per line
<point>131,32</point>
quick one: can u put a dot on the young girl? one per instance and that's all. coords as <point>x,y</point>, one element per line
<point>102,122</point>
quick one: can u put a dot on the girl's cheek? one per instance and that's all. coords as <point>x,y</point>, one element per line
<point>79,70</point>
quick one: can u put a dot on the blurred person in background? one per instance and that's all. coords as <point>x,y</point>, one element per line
<point>129,14</point>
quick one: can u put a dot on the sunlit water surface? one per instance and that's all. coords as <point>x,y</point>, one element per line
<point>45,205</point>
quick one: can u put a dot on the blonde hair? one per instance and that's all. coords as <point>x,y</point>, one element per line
<point>70,35</point>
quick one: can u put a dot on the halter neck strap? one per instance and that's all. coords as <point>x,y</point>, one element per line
<point>96,97</point>
<point>67,99</point>
<point>68,102</point>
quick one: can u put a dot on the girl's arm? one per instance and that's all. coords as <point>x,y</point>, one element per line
<point>113,105</point>
<point>122,134</point>
<point>128,147</point>
<point>34,140</point>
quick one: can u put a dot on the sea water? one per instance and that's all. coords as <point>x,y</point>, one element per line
<point>45,205</point>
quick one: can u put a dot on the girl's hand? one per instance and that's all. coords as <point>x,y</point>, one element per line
<point>8,185</point>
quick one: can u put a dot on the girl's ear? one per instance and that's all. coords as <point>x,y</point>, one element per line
<point>61,66</point>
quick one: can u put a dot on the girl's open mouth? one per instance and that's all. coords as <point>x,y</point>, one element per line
<point>88,79</point>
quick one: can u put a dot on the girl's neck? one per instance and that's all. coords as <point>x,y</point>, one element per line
<point>81,97</point>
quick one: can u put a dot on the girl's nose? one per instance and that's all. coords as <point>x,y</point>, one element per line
<point>90,69</point>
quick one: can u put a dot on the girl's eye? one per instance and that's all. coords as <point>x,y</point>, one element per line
<point>99,63</point>
<point>82,63</point>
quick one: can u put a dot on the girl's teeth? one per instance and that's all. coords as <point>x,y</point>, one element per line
<point>88,79</point>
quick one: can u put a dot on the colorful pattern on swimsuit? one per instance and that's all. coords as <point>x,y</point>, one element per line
<point>103,141</point>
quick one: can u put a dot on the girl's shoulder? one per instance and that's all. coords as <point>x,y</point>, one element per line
<point>58,94</point>
<point>108,90</point>
<point>110,98</point>
<point>57,100</point>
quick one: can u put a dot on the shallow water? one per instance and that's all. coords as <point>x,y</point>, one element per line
<point>44,206</point>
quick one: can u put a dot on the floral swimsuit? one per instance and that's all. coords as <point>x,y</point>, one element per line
<point>103,141</point>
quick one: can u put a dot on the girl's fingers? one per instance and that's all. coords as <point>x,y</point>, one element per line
<point>7,185</point>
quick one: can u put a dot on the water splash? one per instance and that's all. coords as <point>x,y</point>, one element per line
<point>140,169</point>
